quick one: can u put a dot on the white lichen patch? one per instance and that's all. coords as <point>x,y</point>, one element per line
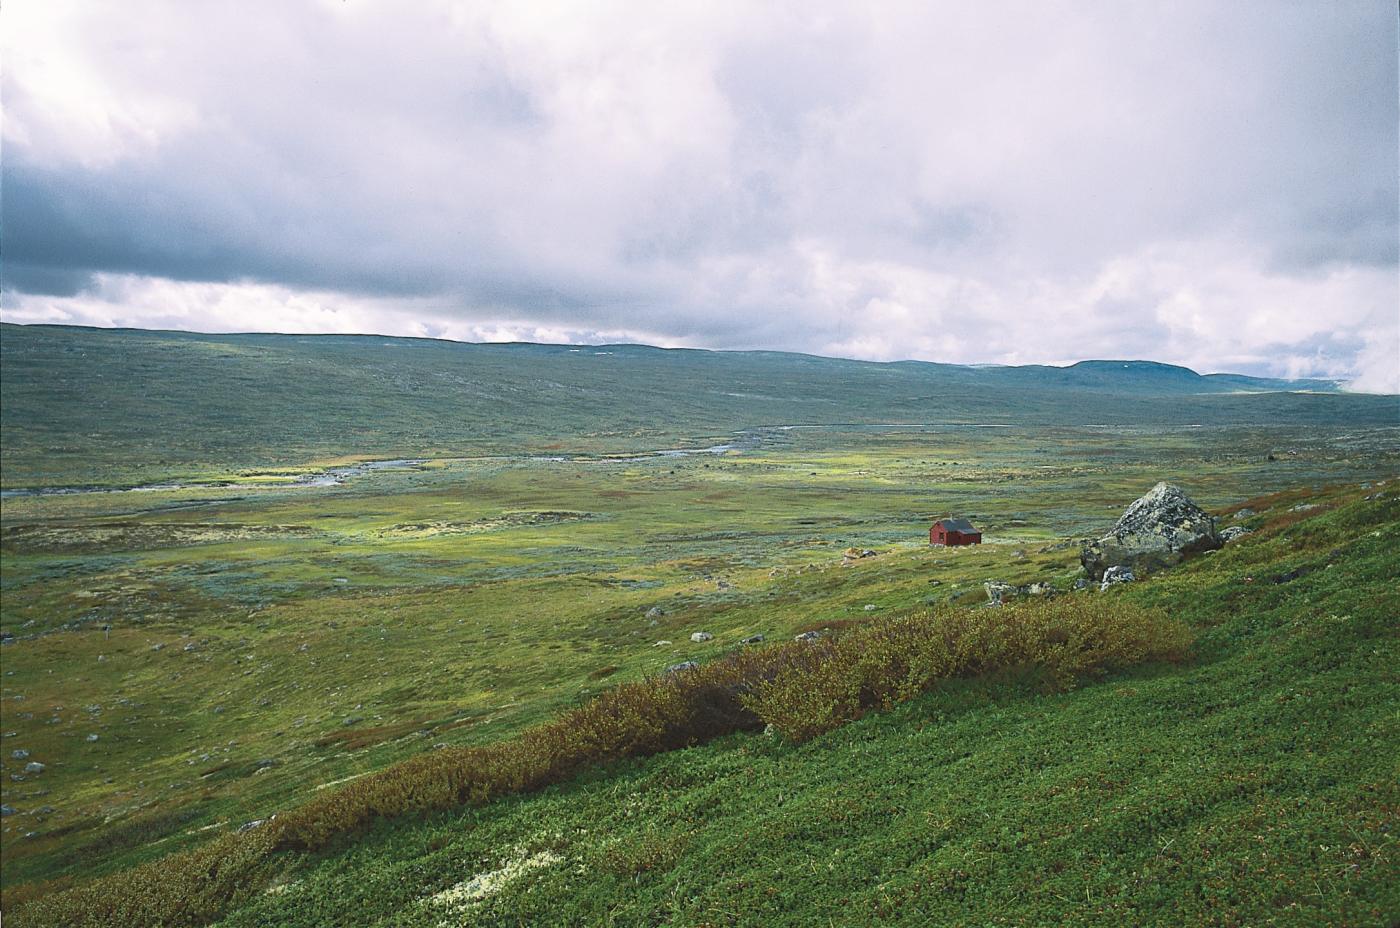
<point>461,898</point>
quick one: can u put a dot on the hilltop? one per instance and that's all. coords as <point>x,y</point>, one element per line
<point>125,406</point>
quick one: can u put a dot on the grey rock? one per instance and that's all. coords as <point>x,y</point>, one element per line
<point>1116,575</point>
<point>1233,532</point>
<point>655,612</point>
<point>871,607</point>
<point>249,826</point>
<point>19,753</point>
<point>998,591</point>
<point>91,738</point>
<point>1040,589</point>
<point>807,636</point>
<point>699,637</point>
<point>7,809</point>
<point>1082,584</point>
<point>1158,530</point>
<point>682,666</point>
<point>752,639</point>
<point>1243,514</point>
<point>1303,507</point>
<point>33,767</point>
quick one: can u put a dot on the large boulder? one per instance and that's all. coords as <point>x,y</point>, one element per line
<point>1156,531</point>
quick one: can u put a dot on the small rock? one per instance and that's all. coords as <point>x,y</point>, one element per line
<point>723,585</point>
<point>1233,532</point>
<point>158,646</point>
<point>1303,507</point>
<point>33,767</point>
<point>1243,514</point>
<point>999,591</point>
<point>1115,575</point>
<point>661,644</point>
<point>249,826</point>
<point>352,720</point>
<point>1040,589</point>
<point>698,637</point>
<point>870,607</point>
<point>655,612</point>
<point>7,809</point>
<point>807,636</point>
<point>1081,584</point>
<point>19,753</point>
<point>682,666</point>
<point>752,639</point>
<point>91,738</point>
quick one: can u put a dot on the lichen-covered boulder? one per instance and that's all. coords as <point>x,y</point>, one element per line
<point>1156,531</point>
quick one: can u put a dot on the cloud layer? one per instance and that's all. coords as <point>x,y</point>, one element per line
<point>1202,183</point>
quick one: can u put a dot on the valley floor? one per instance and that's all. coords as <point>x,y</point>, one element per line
<point>202,657</point>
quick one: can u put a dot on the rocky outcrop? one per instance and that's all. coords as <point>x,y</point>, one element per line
<point>1156,531</point>
<point>1233,532</point>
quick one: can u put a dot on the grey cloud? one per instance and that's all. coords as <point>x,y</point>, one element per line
<point>893,179</point>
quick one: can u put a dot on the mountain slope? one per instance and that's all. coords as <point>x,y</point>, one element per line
<point>122,406</point>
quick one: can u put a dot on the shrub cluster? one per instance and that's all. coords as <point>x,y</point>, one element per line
<point>802,688</point>
<point>836,680</point>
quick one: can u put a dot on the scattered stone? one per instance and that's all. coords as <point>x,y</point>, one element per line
<point>1081,584</point>
<point>91,738</point>
<point>655,612</point>
<point>249,826</point>
<point>191,647</point>
<point>1158,530</point>
<point>998,591</point>
<point>1233,532</point>
<point>935,583</point>
<point>1040,589</point>
<point>7,809</point>
<point>352,720</point>
<point>7,638</point>
<point>33,767</point>
<point>870,607</point>
<point>158,646</point>
<point>1116,575</point>
<point>683,666</point>
<point>807,636</point>
<point>699,637</point>
<point>1303,507</point>
<point>19,753</point>
<point>661,644</point>
<point>752,639</point>
<point>1243,514</point>
<point>723,585</point>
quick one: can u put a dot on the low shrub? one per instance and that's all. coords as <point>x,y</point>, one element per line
<point>802,688</point>
<point>877,665</point>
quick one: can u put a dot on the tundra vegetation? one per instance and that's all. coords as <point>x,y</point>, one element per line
<point>447,681</point>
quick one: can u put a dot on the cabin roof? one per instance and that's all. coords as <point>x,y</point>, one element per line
<point>956,525</point>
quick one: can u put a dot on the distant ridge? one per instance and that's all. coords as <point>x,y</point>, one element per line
<point>120,405</point>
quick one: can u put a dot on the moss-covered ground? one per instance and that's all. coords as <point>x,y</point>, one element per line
<point>187,660</point>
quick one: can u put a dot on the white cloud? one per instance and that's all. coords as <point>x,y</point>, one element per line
<point>977,183</point>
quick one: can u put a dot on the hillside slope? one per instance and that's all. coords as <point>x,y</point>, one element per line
<point>122,406</point>
<point>1254,784</point>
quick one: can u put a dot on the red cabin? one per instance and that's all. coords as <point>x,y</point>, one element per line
<point>954,532</point>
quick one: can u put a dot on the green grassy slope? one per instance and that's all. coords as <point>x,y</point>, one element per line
<point>1256,785</point>
<point>119,406</point>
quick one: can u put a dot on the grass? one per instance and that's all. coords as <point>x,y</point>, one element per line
<point>1249,785</point>
<point>245,646</point>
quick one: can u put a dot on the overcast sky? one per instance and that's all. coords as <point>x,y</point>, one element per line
<point>1212,184</point>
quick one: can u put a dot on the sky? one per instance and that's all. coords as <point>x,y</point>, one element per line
<point>1203,183</point>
